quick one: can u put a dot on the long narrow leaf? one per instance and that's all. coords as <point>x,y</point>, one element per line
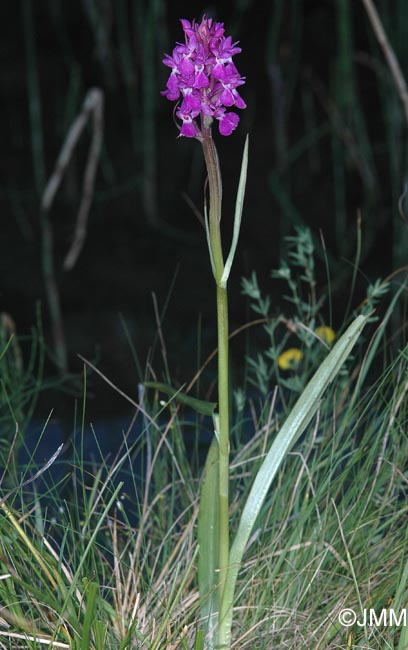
<point>238,215</point>
<point>92,592</point>
<point>208,522</point>
<point>298,419</point>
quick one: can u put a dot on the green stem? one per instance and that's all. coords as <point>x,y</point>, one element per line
<point>215,193</point>
<point>223,446</point>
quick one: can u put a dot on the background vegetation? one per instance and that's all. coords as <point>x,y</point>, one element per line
<point>328,148</point>
<point>98,549</point>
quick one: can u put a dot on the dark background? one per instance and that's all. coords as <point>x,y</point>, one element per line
<point>327,142</point>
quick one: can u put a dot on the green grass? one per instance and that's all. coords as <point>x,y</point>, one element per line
<point>76,573</point>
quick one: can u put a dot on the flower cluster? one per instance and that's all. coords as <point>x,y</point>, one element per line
<point>204,77</point>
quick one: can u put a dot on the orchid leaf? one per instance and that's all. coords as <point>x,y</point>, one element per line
<point>238,215</point>
<point>295,424</point>
<point>208,540</point>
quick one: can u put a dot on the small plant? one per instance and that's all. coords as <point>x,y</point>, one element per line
<point>297,340</point>
<point>205,80</point>
<point>290,337</point>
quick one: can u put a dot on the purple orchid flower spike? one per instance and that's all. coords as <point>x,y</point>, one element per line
<point>204,82</point>
<point>204,79</point>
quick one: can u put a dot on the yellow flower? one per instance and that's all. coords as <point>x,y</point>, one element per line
<point>290,359</point>
<point>326,334</point>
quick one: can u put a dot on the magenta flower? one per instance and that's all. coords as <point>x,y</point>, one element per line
<point>203,78</point>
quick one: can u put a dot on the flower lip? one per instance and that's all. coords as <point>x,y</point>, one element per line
<point>203,74</point>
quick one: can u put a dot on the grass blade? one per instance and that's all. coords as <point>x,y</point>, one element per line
<point>201,406</point>
<point>89,615</point>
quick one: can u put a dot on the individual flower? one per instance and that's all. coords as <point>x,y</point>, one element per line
<point>326,334</point>
<point>204,79</point>
<point>290,359</point>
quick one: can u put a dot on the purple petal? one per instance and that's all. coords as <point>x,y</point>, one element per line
<point>169,61</point>
<point>186,67</point>
<point>173,85</point>
<point>218,30</point>
<point>239,102</point>
<point>227,98</point>
<point>201,80</point>
<point>228,123</point>
<point>188,28</point>
<point>189,129</point>
<point>218,72</point>
<point>169,95</point>
<point>206,109</point>
<point>190,102</point>
<point>231,74</point>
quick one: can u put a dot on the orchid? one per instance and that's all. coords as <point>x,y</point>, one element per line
<point>204,79</point>
<point>204,82</point>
